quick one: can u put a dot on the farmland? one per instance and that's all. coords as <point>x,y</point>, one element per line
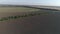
<point>6,12</point>
<point>43,22</point>
<point>11,11</point>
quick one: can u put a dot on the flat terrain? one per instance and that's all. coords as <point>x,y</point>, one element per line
<point>49,7</point>
<point>39,24</point>
<point>11,11</point>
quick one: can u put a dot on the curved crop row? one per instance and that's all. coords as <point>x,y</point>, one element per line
<point>20,16</point>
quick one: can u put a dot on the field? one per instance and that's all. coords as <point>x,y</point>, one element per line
<point>38,24</point>
<point>7,13</point>
<point>10,11</point>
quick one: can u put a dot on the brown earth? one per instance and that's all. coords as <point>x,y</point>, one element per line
<point>43,24</point>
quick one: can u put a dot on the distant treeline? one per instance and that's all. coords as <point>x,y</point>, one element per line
<point>28,7</point>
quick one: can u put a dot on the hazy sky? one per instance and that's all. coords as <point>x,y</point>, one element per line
<point>31,2</point>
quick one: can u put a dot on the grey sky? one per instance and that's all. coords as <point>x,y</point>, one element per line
<point>31,2</point>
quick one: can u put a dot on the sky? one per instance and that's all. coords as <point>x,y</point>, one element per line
<point>31,2</point>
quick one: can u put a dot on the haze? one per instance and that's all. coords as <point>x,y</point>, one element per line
<point>32,2</point>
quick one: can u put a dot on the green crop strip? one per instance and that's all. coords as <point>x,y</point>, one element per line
<point>20,16</point>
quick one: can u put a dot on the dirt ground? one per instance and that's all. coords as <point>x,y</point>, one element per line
<point>31,25</point>
<point>42,24</point>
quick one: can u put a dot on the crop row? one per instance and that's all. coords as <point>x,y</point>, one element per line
<point>20,16</point>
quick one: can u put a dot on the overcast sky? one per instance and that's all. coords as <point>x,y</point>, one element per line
<point>31,2</point>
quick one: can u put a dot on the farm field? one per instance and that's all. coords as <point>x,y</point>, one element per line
<point>48,22</point>
<point>10,11</point>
